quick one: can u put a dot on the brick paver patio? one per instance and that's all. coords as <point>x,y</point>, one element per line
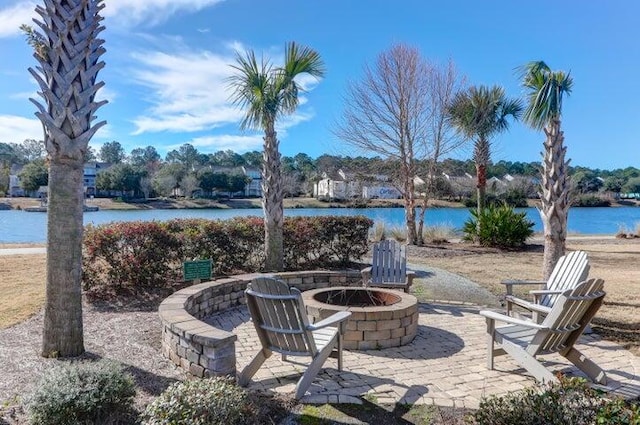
<point>444,365</point>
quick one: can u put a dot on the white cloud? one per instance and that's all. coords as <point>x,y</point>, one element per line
<point>150,12</point>
<point>13,16</point>
<point>189,91</point>
<point>123,13</point>
<point>16,129</point>
<point>105,93</point>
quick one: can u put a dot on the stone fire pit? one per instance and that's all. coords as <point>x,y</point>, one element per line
<point>380,318</point>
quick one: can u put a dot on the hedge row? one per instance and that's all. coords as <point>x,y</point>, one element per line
<point>152,253</point>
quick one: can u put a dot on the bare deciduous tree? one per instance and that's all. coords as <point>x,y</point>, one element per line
<point>443,83</point>
<point>397,111</point>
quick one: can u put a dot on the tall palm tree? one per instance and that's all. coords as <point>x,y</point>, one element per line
<point>544,110</point>
<point>68,50</point>
<point>266,93</point>
<point>480,113</point>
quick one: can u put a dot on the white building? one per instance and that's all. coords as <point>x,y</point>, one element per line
<point>338,186</point>
<point>254,187</point>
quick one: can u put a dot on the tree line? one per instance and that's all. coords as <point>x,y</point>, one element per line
<point>143,172</point>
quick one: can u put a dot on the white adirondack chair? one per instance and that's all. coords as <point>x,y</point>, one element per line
<point>567,273</point>
<point>389,267</point>
<point>567,319</point>
<point>281,321</point>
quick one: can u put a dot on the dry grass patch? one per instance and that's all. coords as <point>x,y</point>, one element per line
<point>22,283</point>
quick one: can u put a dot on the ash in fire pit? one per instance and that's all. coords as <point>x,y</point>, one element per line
<point>356,297</point>
<point>380,318</point>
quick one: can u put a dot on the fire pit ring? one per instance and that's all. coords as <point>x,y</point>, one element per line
<point>380,318</point>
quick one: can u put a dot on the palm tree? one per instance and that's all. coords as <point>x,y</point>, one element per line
<point>544,110</point>
<point>479,113</point>
<point>68,51</point>
<point>267,93</point>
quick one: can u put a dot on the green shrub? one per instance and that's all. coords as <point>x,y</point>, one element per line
<point>591,201</point>
<point>201,402</point>
<point>499,226</point>
<point>151,253</point>
<point>618,412</point>
<point>343,239</point>
<point>118,254</point>
<point>569,402</point>
<point>82,393</point>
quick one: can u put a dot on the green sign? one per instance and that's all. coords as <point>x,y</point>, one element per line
<point>197,270</point>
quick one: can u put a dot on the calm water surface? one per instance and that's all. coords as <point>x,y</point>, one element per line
<point>21,226</point>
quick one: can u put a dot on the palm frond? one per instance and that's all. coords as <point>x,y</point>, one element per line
<point>250,85</point>
<point>482,111</point>
<point>264,91</point>
<point>545,91</point>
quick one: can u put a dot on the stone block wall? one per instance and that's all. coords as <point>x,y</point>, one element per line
<point>204,351</point>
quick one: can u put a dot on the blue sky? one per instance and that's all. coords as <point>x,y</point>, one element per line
<point>167,62</point>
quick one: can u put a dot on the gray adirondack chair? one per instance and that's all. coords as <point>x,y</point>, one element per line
<point>281,321</point>
<point>570,269</point>
<point>567,319</point>
<point>389,267</point>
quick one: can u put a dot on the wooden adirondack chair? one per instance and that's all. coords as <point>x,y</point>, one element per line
<point>567,319</point>
<point>567,273</point>
<point>389,267</point>
<point>281,321</point>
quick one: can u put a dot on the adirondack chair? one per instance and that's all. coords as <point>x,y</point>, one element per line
<point>567,319</point>
<point>281,321</point>
<point>567,273</point>
<point>389,267</point>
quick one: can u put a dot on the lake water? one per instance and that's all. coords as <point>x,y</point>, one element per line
<point>21,226</point>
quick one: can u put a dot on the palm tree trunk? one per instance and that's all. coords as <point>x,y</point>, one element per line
<point>481,173</point>
<point>481,157</point>
<point>554,197</point>
<point>69,57</point>
<point>62,335</point>
<point>272,202</point>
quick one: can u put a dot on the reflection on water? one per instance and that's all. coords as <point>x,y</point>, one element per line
<point>21,226</point>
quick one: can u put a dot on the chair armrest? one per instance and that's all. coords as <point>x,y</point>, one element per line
<point>492,315</point>
<point>528,305</point>
<point>510,282</point>
<point>338,317</point>
<point>522,282</point>
<point>544,292</point>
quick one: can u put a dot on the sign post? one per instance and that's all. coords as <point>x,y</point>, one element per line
<point>197,270</point>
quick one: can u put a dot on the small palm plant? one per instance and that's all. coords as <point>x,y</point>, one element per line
<point>480,113</point>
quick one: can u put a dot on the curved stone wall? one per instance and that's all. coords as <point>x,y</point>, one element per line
<point>204,351</point>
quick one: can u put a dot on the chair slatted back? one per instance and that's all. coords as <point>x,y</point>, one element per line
<point>570,314</point>
<point>279,316</point>
<point>389,262</point>
<point>570,270</point>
